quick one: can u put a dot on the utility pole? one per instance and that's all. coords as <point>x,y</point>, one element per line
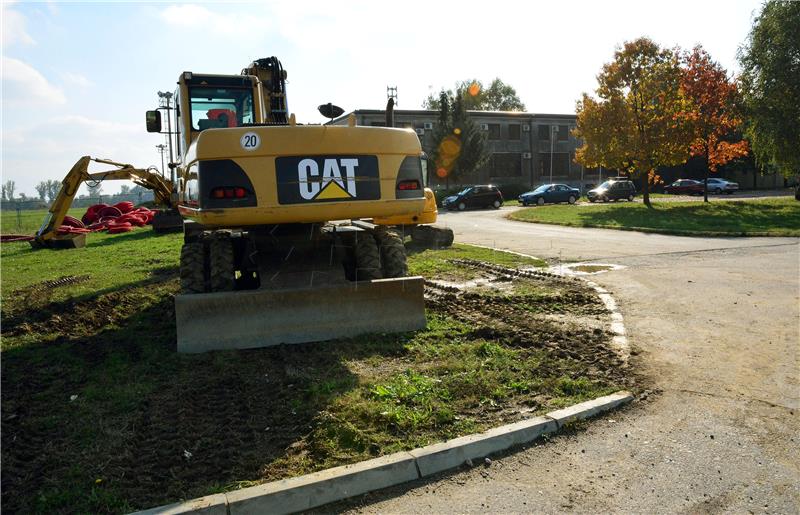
<point>161,149</point>
<point>391,92</point>
<point>553,133</point>
<point>165,98</point>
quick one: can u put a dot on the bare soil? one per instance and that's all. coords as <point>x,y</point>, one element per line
<point>100,414</point>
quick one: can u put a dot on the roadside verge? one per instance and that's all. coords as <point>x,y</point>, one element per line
<point>327,486</point>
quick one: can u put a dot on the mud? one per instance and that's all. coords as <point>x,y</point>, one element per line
<point>161,426</point>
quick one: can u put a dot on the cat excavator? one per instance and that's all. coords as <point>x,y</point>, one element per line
<point>290,230</point>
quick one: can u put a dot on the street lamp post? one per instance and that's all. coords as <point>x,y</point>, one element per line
<point>553,132</point>
<point>161,149</point>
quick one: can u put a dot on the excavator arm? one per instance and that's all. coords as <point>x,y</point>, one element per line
<point>47,235</point>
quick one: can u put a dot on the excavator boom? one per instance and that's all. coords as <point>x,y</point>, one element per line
<point>47,235</point>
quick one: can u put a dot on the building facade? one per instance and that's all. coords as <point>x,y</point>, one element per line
<point>526,148</point>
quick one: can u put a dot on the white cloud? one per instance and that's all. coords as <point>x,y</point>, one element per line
<point>76,79</point>
<point>58,142</point>
<point>24,85</point>
<point>238,24</point>
<point>13,26</point>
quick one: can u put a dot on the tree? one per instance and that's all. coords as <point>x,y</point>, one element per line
<point>41,189</point>
<point>641,119</point>
<point>124,189</point>
<point>499,96</point>
<point>94,188</point>
<point>770,61</point>
<point>715,119</point>
<point>8,190</point>
<point>459,146</point>
<point>53,187</point>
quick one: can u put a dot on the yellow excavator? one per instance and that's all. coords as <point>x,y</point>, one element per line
<point>165,219</point>
<point>290,230</point>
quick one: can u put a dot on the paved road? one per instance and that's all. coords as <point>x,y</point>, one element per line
<point>716,325</point>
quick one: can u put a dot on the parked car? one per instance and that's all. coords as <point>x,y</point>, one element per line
<point>685,187</point>
<point>550,194</point>
<point>480,196</point>
<point>717,185</point>
<point>616,189</point>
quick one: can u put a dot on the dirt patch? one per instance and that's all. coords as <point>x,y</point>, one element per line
<point>106,417</point>
<point>40,292</point>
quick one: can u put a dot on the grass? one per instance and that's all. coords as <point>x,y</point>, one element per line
<point>100,414</point>
<point>764,217</point>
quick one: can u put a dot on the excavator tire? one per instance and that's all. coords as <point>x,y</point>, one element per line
<point>393,255</point>
<point>368,259</point>
<point>222,275</point>
<point>193,268</point>
<point>433,237</point>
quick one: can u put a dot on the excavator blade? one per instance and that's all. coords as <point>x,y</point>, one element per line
<point>261,318</point>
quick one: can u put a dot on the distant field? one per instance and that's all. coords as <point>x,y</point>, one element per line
<point>763,217</point>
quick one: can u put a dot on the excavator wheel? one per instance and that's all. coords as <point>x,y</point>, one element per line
<point>222,276</point>
<point>368,260</point>
<point>192,268</point>
<point>433,237</point>
<point>393,254</point>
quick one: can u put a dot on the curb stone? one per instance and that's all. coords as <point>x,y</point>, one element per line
<point>320,488</point>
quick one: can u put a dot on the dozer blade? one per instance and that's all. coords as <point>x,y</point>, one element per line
<point>261,318</point>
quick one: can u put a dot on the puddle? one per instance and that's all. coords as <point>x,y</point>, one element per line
<point>584,268</point>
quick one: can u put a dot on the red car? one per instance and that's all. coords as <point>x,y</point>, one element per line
<point>685,187</point>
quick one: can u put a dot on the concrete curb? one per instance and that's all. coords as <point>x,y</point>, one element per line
<point>320,488</point>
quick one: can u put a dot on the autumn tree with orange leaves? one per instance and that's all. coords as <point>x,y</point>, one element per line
<point>715,118</point>
<point>641,117</point>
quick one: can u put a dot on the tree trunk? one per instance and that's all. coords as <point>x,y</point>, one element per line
<point>705,182</point>
<point>646,191</point>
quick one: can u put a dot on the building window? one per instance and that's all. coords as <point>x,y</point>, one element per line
<point>378,124</point>
<point>494,131</point>
<point>507,165</point>
<point>513,131</point>
<point>544,133</point>
<point>560,164</point>
<point>563,132</point>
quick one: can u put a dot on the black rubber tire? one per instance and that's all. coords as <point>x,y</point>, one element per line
<point>432,237</point>
<point>496,204</point>
<point>393,255</point>
<point>540,201</point>
<point>222,274</point>
<point>368,260</point>
<point>462,206</point>
<point>630,198</point>
<point>571,199</point>
<point>192,268</point>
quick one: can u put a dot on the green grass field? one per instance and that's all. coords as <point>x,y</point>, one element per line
<point>764,217</point>
<point>100,414</point>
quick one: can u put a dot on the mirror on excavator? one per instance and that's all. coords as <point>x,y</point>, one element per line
<point>153,120</point>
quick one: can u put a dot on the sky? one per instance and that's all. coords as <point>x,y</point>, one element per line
<point>77,78</point>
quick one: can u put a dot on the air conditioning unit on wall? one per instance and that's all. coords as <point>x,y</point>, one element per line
<point>484,126</point>
<point>420,132</point>
<point>428,125</point>
<point>526,155</point>
<point>526,128</point>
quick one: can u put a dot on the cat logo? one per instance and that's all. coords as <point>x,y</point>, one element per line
<point>303,179</point>
<point>334,185</point>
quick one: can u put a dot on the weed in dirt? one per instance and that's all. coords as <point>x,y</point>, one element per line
<point>100,414</point>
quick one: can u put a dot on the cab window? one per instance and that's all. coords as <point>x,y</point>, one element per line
<point>217,108</point>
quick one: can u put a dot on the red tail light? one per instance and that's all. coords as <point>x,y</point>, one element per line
<point>235,192</point>
<point>408,185</point>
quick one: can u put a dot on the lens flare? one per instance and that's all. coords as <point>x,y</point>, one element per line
<point>441,172</point>
<point>474,89</point>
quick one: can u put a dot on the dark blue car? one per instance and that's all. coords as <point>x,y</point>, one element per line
<point>550,194</point>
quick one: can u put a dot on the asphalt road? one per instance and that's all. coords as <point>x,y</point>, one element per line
<point>715,327</point>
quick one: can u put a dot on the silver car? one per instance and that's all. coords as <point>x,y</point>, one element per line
<point>717,185</point>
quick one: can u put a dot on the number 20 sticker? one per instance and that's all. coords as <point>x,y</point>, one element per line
<point>250,141</point>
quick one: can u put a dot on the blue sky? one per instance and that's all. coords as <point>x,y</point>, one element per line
<point>78,77</point>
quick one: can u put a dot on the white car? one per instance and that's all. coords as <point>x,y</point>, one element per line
<point>718,186</point>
